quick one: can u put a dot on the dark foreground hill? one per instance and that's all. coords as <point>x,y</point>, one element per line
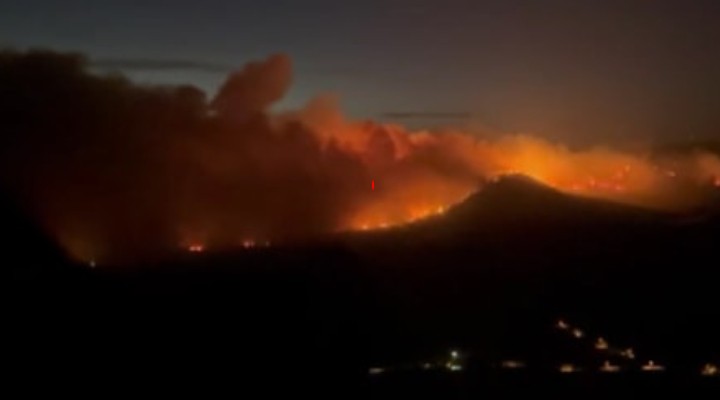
<point>518,253</point>
<point>490,277</point>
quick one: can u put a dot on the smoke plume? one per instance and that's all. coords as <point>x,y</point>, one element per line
<point>118,171</point>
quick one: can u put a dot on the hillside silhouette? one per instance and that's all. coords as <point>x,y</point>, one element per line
<point>491,276</point>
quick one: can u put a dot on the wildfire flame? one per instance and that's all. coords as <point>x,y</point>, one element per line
<point>641,180</point>
<point>182,168</point>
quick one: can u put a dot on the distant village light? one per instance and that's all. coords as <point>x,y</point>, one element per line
<point>652,367</point>
<point>455,367</point>
<point>607,367</point>
<point>512,364</point>
<point>710,370</point>
<point>601,344</point>
<point>376,370</point>
<point>568,369</point>
<point>628,353</point>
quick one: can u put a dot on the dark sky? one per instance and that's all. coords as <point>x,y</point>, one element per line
<point>573,70</point>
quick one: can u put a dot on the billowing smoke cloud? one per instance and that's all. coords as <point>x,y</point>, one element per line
<point>119,171</point>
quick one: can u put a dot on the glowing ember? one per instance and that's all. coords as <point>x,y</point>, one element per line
<point>196,248</point>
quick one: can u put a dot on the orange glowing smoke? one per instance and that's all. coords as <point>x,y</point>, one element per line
<point>141,169</point>
<point>424,173</point>
<point>412,166</point>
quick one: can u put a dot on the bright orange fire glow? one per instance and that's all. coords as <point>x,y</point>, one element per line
<point>389,217</point>
<point>215,172</point>
<point>637,179</point>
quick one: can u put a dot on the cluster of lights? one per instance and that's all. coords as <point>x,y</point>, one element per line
<point>454,364</point>
<point>628,353</point>
<point>574,331</point>
<point>600,343</point>
<point>603,346</point>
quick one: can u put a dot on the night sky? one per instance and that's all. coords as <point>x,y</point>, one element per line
<point>578,71</point>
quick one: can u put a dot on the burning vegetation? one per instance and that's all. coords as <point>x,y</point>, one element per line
<point>117,170</point>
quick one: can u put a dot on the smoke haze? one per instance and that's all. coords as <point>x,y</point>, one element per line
<point>116,170</point>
